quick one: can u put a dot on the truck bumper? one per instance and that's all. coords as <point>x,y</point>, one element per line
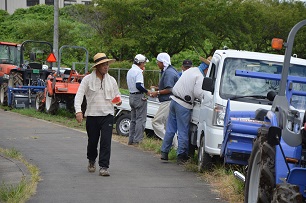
<point>214,140</point>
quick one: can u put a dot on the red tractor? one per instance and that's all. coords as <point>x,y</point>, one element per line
<point>9,61</point>
<point>62,86</point>
<point>23,71</point>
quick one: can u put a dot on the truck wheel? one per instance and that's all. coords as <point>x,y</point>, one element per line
<point>260,180</point>
<point>3,94</point>
<point>123,124</point>
<point>205,161</point>
<point>51,104</point>
<point>39,104</point>
<point>285,192</point>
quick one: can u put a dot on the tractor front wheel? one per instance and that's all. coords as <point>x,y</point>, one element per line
<point>39,104</point>
<point>286,192</point>
<point>51,104</point>
<point>3,94</point>
<point>260,180</point>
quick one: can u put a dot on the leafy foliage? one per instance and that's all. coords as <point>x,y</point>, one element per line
<point>183,28</point>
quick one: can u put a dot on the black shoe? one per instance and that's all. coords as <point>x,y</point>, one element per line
<point>164,156</point>
<point>130,143</point>
<point>182,158</point>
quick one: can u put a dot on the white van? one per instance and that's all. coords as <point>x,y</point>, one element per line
<point>221,84</point>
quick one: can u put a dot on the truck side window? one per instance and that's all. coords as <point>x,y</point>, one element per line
<point>212,71</point>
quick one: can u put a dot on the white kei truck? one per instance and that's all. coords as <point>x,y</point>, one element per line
<point>221,84</point>
<point>123,116</point>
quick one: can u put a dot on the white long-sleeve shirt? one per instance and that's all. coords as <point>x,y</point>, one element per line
<point>97,105</point>
<point>190,83</point>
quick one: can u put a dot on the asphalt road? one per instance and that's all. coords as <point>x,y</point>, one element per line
<point>60,154</point>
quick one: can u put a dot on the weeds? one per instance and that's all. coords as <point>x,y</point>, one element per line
<point>26,188</point>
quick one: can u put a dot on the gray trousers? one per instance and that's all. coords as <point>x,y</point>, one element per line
<point>138,117</point>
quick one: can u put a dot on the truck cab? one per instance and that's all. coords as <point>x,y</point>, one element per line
<point>222,84</point>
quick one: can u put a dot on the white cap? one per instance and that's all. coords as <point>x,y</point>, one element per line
<point>139,58</point>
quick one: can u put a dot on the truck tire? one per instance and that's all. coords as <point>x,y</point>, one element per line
<point>285,192</point>
<point>260,180</point>
<point>123,124</point>
<point>205,161</point>
<point>51,104</point>
<point>39,104</point>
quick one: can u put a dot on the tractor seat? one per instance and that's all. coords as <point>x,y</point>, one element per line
<point>260,114</point>
<point>66,74</point>
<point>34,65</point>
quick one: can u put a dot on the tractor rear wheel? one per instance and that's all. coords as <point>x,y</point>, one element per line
<point>51,104</point>
<point>39,104</point>
<point>286,192</point>
<point>15,79</point>
<point>260,180</point>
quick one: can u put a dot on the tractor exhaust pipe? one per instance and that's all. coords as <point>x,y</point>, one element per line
<point>239,176</point>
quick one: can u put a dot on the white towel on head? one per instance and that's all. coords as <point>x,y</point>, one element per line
<point>164,58</point>
<point>108,90</point>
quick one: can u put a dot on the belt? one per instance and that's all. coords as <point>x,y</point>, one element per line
<point>136,92</point>
<point>183,100</point>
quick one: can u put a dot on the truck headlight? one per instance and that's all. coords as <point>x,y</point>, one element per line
<point>218,115</point>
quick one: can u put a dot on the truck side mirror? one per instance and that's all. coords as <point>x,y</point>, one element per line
<point>208,85</point>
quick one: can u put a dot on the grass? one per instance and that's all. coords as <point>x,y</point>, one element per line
<point>220,178</point>
<point>26,188</point>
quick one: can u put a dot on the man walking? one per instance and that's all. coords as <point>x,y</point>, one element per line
<point>99,88</point>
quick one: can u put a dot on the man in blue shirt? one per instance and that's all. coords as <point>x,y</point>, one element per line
<point>169,77</point>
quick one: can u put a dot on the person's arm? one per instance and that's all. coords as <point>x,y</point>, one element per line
<point>141,88</point>
<point>78,99</point>
<point>116,89</point>
<point>198,91</point>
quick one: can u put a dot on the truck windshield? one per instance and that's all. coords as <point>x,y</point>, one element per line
<point>9,54</point>
<point>237,86</point>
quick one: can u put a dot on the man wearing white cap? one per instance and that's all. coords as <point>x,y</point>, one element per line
<point>137,100</point>
<point>100,89</point>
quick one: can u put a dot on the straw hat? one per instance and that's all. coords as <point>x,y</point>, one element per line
<point>101,58</point>
<point>207,61</point>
